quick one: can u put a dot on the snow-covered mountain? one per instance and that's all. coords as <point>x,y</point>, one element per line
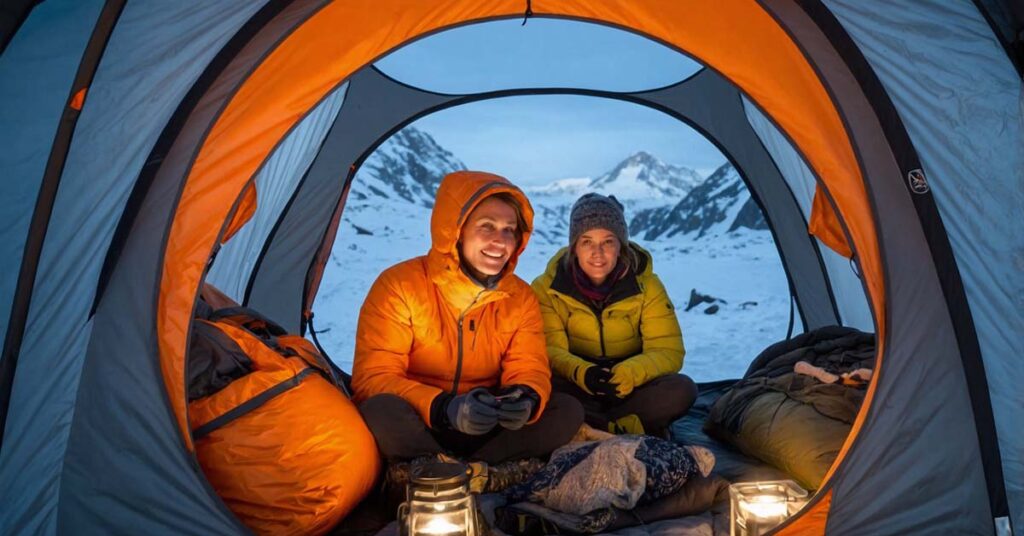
<point>719,205</point>
<point>642,176</point>
<point>386,220</point>
<point>562,187</point>
<point>639,177</point>
<point>408,166</point>
<point>641,182</point>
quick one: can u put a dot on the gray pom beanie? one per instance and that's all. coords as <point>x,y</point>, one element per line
<point>595,211</point>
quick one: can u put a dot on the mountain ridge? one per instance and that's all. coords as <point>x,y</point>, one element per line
<point>662,200</point>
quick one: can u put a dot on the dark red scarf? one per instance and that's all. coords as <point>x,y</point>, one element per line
<point>596,293</point>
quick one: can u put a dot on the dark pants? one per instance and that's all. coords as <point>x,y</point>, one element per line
<point>657,403</point>
<point>402,434</point>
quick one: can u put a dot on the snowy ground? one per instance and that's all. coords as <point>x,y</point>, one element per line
<point>743,269</point>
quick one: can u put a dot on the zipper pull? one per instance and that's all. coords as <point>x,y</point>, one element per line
<point>472,325</point>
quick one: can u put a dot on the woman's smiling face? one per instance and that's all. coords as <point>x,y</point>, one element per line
<point>598,252</point>
<point>488,237</point>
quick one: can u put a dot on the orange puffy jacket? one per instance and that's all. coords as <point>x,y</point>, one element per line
<point>426,327</point>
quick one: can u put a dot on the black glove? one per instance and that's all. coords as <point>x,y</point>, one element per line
<point>517,403</point>
<point>473,413</point>
<point>596,380</point>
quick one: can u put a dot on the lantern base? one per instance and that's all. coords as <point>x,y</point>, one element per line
<point>758,507</point>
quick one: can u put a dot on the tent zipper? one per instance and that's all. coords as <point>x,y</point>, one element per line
<point>458,362</point>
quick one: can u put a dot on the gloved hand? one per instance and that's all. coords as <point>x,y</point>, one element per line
<point>516,406</point>
<point>596,382</point>
<point>623,379</point>
<point>473,413</point>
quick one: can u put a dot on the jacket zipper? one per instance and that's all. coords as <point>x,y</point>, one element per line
<point>458,362</point>
<point>600,333</point>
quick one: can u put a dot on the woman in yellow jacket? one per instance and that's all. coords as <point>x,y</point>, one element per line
<point>612,335</point>
<point>450,352</point>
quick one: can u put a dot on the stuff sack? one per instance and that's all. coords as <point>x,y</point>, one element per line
<point>281,444</point>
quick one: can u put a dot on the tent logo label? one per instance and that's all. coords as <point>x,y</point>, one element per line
<point>918,184</point>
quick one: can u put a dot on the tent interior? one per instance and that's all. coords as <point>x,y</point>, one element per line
<point>825,284</point>
<point>261,153</point>
<point>826,289</point>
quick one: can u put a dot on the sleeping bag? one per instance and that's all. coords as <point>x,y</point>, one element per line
<point>278,440</point>
<point>792,421</point>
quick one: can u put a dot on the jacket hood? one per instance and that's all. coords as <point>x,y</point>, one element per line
<point>459,193</point>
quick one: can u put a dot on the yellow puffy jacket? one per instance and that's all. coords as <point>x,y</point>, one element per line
<point>426,327</point>
<point>637,330</point>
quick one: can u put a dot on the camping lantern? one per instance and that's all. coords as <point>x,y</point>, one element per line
<point>757,507</point>
<point>438,502</point>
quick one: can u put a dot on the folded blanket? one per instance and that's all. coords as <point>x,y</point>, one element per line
<point>619,472</point>
<point>684,512</point>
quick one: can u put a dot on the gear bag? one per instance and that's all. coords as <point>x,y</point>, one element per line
<point>274,433</point>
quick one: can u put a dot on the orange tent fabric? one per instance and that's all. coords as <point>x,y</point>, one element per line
<point>246,208</point>
<point>825,225</point>
<point>738,39</point>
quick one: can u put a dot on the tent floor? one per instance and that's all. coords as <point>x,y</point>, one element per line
<point>373,514</point>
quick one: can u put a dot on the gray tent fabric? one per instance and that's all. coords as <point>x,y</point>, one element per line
<point>846,286</point>
<point>159,488</point>
<point>953,86</point>
<point>1001,16</point>
<point>932,451</point>
<point>92,445</point>
<point>35,82</point>
<point>275,184</point>
<point>377,105</point>
<point>128,106</point>
<point>716,107</point>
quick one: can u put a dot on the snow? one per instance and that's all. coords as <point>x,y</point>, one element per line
<point>739,267</point>
<point>742,268</point>
<point>571,187</point>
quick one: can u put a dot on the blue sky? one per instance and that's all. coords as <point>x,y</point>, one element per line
<point>539,138</point>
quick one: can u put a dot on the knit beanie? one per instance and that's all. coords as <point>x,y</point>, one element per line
<point>595,211</point>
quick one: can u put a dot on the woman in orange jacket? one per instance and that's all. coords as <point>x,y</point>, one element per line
<point>450,350</point>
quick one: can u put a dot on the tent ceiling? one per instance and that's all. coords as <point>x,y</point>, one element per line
<point>545,53</point>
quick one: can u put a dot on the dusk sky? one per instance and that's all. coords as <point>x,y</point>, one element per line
<point>538,138</point>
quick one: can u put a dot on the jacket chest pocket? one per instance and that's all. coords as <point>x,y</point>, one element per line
<point>622,324</point>
<point>489,334</point>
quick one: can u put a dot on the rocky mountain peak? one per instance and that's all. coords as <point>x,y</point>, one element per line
<point>407,166</point>
<point>719,205</point>
<point>642,175</point>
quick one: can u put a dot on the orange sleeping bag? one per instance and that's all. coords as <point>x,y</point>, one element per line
<point>278,440</point>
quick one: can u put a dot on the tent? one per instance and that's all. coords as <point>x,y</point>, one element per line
<point>133,133</point>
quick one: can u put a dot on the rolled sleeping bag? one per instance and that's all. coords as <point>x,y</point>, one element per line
<point>284,448</point>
